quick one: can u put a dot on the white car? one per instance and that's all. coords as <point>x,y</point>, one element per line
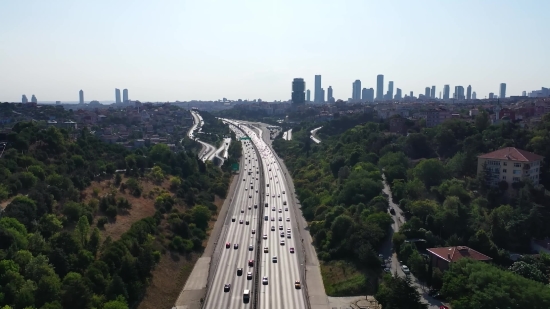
<point>405,269</point>
<point>264,281</point>
<point>265,236</point>
<point>272,228</point>
<point>287,219</point>
<point>282,242</point>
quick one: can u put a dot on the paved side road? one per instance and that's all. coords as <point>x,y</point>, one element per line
<point>317,296</point>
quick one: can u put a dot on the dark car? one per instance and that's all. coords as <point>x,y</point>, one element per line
<point>239,271</point>
<point>227,287</point>
<point>247,223</point>
<point>392,211</point>
<point>232,219</point>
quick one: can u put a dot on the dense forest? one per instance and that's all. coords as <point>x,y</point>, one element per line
<point>51,252</point>
<point>433,176</point>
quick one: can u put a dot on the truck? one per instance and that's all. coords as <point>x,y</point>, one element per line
<point>246,296</point>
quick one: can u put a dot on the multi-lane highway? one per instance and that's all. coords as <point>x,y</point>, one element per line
<point>273,280</point>
<point>208,151</point>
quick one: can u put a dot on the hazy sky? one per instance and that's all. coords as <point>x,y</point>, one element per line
<point>167,50</point>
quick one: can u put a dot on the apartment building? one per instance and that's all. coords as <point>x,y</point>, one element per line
<point>511,165</point>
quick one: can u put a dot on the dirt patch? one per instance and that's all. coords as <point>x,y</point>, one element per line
<point>142,207</point>
<point>341,278</point>
<point>5,203</point>
<point>169,276</point>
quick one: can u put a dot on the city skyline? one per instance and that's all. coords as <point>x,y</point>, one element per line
<point>158,68</point>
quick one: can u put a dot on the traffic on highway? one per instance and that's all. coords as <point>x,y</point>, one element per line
<point>259,218</point>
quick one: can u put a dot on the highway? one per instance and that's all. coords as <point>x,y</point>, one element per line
<point>272,284</point>
<point>313,138</point>
<point>280,291</point>
<point>208,151</point>
<point>240,224</point>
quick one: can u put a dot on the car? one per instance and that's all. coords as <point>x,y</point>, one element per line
<point>251,248</point>
<point>273,195</point>
<point>227,245</point>
<point>297,284</point>
<point>249,275</point>
<point>392,211</point>
<point>267,194</point>
<point>284,202</point>
<point>288,235</point>
<point>226,287</point>
<point>247,222</point>
<point>266,250</point>
<point>255,205</point>
<point>272,218</point>
<point>256,191</point>
<point>264,280</point>
<point>288,230</point>
<point>239,271</point>
<point>236,246</point>
<point>284,192</point>
<point>280,227</point>
<point>405,269</point>
<point>282,234</point>
<point>278,195</point>
<point>249,207</point>
<point>232,219</point>
<point>251,263</point>
<point>250,196</point>
<point>443,307</point>
<point>282,242</point>
<point>280,219</point>
<point>265,236</point>
<point>241,221</point>
<point>272,208</point>
<point>286,208</point>
<point>253,231</point>
<point>245,189</point>
<point>287,219</point>
<point>387,270</point>
<point>291,250</point>
<point>280,210</point>
<point>274,259</point>
<point>272,228</point>
<point>381,256</point>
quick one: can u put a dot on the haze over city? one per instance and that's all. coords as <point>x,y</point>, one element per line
<point>207,50</point>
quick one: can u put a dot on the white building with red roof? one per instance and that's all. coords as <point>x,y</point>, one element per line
<point>511,165</point>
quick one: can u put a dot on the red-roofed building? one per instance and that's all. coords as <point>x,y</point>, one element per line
<point>442,257</point>
<point>511,165</point>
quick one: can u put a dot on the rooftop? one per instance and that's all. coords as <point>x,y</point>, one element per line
<point>453,254</point>
<point>513,154</point>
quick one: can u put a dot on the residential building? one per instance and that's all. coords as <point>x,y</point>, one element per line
<point>436,116</point>
<point>474,95</point>
<point>442,257</point>
<point>427,92</point>
<point>364,95</point>
<point>24,99</point>
<point>390,90</point>
<point>379,87</point>
<point>459,93</point>
<point>34,99</point>
<point>433,92</point>
<point>491,95</point>
<point>469,92</point>
<point>125,96</point>
<point>397,125</point>
<point>330,98</point>
<point>510,165</point>
<point>81,96</point>
<point>308,95</point>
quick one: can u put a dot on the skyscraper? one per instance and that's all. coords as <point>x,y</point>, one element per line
<point>459,93</point>
<point>446,92</point>
<point>427,92</point>
<point>81,96</point>
<point>364,95</point>
<point>398,95</point>
<point>356,92</point>
<point>411,94</point>
<point>433,92</point>
<point>117,96</point>
<point>298,88</point>
<point>317,95</point>
<point>502,93</point>
<point>308,95</point>
<point>390,90</point>
<point>33,99</point>
<point>24,99</point>
<point>524,93</point>
<point>474,95</point>
<point>322,96</point>
<point>380,87</point>
<point>491,95</point>
<point>469,92</point>
<point>125,95</point>
<point>330,99</point>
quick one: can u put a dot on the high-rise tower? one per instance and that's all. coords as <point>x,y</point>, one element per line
<point>298,88</point>
<point>317,96</point>
<point>427,93</point>
<point>308,95</point>
<point>330,98</point>
<point>356,92</point>
<point>379,87</point>
<point>446,92</point>
<point>24,99</point>
<point>125,95</point>
<point>81,96</point>
<point>469,92</point>
<point>117,96</point>
<point>433,92</point>
<point>390,90</point>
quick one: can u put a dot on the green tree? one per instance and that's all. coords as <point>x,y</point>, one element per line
<point>82,230</point>
<point>201,215</point>
<point>74,292</point>
<point>431,172</point>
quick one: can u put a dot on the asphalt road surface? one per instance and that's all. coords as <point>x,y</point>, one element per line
<point>239,234</point>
